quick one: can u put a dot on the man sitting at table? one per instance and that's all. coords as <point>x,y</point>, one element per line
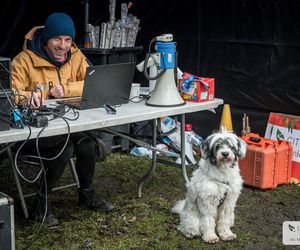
<point>52,66</point>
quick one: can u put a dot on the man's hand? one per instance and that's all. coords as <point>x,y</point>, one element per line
<point>34,99</point>
<point>57,91</point>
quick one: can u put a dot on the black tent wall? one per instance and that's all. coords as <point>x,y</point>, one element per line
<point>250,47</point>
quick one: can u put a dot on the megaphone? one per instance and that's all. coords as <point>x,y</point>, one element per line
<point>165,93</point>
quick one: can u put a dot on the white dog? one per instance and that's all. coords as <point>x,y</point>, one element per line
<point>213,190</point>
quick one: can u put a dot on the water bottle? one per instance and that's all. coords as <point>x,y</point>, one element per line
<point>196,139</point>
<point>189,134</point>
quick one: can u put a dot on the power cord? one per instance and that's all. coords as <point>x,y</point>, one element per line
<point>28,115</point>
<point>43,170</point>
<point>140,98</point>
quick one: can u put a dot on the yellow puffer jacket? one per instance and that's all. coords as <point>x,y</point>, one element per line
<point>30,71</point>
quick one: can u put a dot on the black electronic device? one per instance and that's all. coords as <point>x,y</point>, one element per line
<point>5,109</point>
<point>5,73</point>
<point>109,109</point>
<point>56,111</point>
<point>7,222</point>
<point>104,84</point>
<point>38,121</point>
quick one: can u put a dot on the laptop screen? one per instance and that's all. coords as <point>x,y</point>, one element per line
<point>107,84</point>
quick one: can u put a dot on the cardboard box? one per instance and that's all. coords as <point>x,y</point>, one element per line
<point>198,90</point>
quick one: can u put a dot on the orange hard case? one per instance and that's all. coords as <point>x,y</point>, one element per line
<point>267,164</point>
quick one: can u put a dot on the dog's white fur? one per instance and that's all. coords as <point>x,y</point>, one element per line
<point>213,190</point>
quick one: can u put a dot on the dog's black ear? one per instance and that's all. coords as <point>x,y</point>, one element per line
<point>205,150</point>
<point>242,148</point>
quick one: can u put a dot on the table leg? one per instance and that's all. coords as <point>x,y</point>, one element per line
<point>18,185</point>
<point>182,138</point>
<point>154,158</point>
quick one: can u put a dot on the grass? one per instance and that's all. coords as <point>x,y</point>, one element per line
<point>146,223</point>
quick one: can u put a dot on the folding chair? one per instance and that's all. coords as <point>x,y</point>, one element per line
<point>19,187</point>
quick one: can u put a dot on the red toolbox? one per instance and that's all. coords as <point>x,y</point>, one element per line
<point>267,164</point>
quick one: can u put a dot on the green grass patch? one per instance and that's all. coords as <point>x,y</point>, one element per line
<point>146,222</point>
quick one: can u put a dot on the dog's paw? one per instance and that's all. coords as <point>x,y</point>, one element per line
<point>188,232</point>
<point>189,236</point>
<point>210,238</point>
<point>228,236</point>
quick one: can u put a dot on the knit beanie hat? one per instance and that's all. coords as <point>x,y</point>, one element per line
<point>58,24</point>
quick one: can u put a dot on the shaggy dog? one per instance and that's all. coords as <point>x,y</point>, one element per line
<point>213,190</point>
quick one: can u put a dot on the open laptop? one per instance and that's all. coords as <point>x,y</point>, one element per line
<point>108,84</point>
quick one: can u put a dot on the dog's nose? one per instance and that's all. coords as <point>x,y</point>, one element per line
<point>225,154</point>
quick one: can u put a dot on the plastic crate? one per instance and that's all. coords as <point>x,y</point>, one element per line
<point>111,56</point>
<point>113,142</point>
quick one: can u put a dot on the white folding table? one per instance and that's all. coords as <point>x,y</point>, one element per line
<point>98,119</point>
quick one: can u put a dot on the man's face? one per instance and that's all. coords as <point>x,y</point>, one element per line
<point>59,46</point>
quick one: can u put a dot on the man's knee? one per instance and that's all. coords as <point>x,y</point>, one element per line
<point>86,146</point>
<point>65,150</point>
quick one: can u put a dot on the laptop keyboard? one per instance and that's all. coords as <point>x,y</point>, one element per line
<point>71,102</point>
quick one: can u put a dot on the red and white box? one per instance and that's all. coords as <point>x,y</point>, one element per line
<point>286,127</point>
<point>200,89</point>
